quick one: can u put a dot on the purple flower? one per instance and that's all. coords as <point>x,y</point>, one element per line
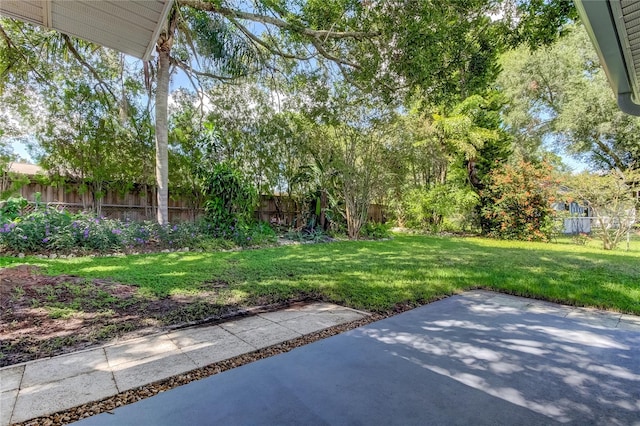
<point>45,240</point>
<point>116,231</point>
<point>86,233</point>
<point>7,227</point>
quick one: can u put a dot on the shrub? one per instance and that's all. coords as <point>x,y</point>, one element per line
<point>612,200</point>
<point>375,230</point>
<point>230,201</point>
<point>517,202</point>
<point>11,208</point>
<point>258,234</point>
<point>432,208</point>
<point>35,231</point>
<point>48,229</point>
<point>315,235</point>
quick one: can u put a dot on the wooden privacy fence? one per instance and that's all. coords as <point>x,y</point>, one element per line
<point>285,211</point>
<point>140,204</point>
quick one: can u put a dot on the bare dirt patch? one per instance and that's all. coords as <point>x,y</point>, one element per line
<point>43,316</point>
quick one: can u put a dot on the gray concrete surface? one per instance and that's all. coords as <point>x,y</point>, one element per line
<point>474,359</point>
<point>46,386</point>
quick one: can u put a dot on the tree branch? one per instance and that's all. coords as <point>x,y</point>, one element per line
<point>188,69</point>
<point>264,19</point>
<point>321,49</point>
<point>271,49</point>
<point>85,64</point>
<point>13,47</point>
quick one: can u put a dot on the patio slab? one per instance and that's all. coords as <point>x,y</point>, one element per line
<point>130,375</point>
<point>267,335</point>
<point>47,398</point>
<point>44,371</point>
<point>11,378</point>
<point>7,402</point>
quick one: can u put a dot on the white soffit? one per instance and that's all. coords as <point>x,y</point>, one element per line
<point>614,29</point>
<point>627,16</point>
<point>129,26</point>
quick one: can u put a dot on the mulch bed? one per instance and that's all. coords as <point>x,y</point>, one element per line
<point>30,331</point>
<point>44,316</point>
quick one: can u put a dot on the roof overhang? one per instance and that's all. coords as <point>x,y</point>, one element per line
<point>614,29</point>
<point>129,26</point>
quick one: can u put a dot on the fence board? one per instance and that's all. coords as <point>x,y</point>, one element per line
<point>139,204</point>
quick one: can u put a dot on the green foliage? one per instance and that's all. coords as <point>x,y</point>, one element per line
<point>458,34</point>
<point>36,230</point>
<point>439,159</point>
<point>518,201</point>
<point>244,234</point>
<point>47,230</point>
<point>541,22</point>
<point>231,201</point>
<point>375,230</point>
<point>428,209</point>
<point>11,183</point>
<point>258,234</point>
<point>560,93</point>
<point>89,120</point>
<point>11,208</point>
<point>315,235</point>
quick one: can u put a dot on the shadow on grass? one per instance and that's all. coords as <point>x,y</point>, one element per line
<point>377,275</point>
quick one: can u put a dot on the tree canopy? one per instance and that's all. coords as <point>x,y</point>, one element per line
<point>559,94</point>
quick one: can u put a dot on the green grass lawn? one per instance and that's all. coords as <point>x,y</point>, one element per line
<point>376,275</point>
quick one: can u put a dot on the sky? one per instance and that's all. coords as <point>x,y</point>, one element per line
<point>576,165</point>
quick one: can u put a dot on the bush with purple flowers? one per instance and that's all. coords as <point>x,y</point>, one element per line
<point>51,230</point>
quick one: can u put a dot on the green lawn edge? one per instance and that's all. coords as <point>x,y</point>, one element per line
<point>378,275</point>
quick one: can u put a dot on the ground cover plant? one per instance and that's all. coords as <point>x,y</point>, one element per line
<point>48,229</point>
<point>86,300</point>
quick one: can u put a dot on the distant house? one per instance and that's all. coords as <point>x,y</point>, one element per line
<point>25,169</point>
<point>579,221</point>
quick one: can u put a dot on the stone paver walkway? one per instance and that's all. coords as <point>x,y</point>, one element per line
<point>45,386</point>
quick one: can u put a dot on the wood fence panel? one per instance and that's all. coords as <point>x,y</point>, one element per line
<point>139,204</point>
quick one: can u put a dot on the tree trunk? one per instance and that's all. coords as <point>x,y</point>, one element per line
<point>162,155</point>
<point>323,210</point>
<point>163,47</point>
<point>96,191</point>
